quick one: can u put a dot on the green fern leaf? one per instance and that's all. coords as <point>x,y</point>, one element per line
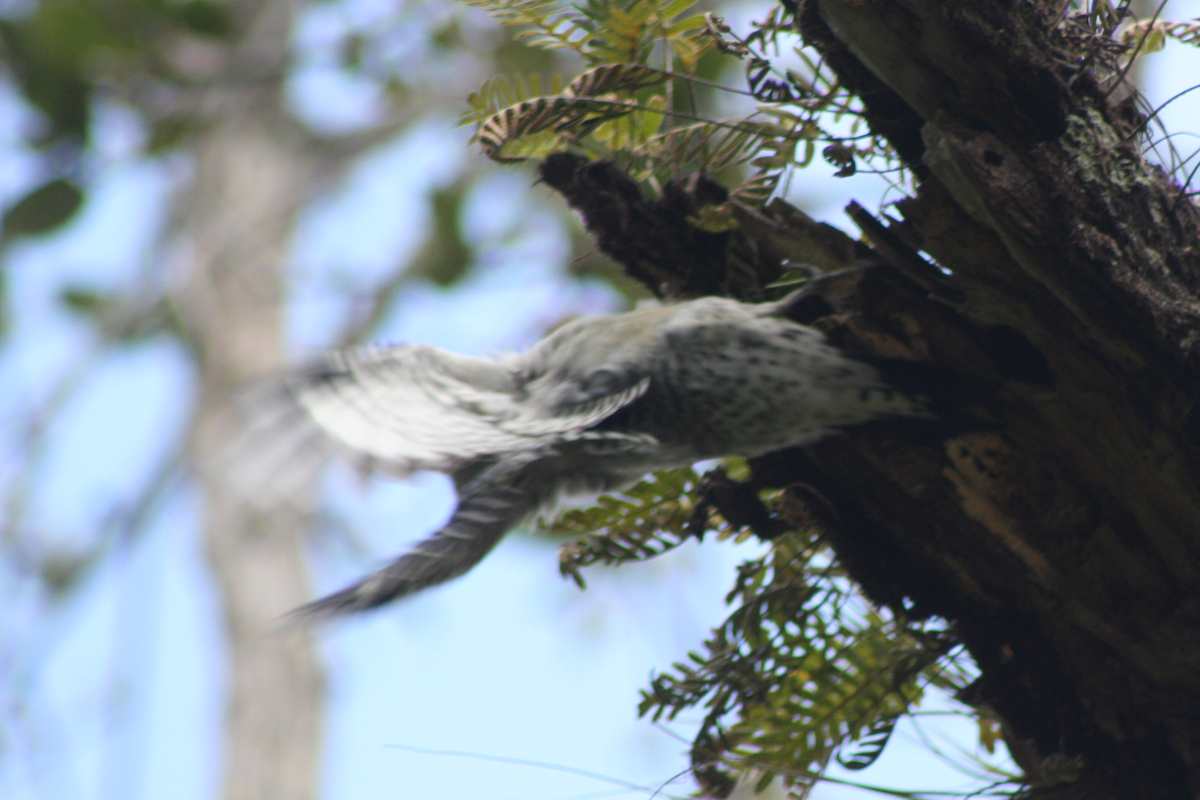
<point>614,78</point>
<point>503,91</point>
<point>803,666</point>
<point>647,520</point>
<point>578,115</point>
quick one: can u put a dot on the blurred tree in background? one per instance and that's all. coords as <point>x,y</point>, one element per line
<point>208,83</point>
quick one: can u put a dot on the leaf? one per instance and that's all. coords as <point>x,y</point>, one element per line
<point>645,521</point>
<point>869,747</point>
<point>60,571</point>
<point>50,79</point>
<point>676,7</point>
<point>629,130</point>
<point>704,145</point>
<point>503,91</point>
<point>445,257</point>
<point>756,190</point>
<point>84,301</point>
<point>1154,34</point>
<point>714,219</point>
<point>206,18</point>
<point>801,666</point>
<point>614,78</point>
<point>169,132</point>
<point>989,733</point>
<point>550,25</point>
<point>42,210</point>
<point>559,114</point>
<point>688,24</point>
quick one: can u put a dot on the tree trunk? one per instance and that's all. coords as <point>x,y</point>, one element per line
<point>1058,524</point>
<point>1065,541</point>
<point>252,172</point>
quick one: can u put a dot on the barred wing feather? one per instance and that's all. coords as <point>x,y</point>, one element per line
<point>419,407</point>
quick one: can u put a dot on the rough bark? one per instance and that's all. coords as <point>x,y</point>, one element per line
<point>252,170</point>
<point>1062,533</point>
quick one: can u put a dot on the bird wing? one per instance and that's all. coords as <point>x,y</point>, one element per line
<point>489,506</point>
<point>418,407</point>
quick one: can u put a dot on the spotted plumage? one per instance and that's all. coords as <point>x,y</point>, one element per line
<point>592,407</point>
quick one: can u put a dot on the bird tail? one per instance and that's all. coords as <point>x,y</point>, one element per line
<point>276,451</point>
<point>489,506</point>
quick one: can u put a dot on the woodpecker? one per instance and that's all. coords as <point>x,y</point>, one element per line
<point>593,407</point>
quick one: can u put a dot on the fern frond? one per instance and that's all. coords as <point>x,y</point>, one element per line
<point>842,687</point>
<point>649,519</point>
<point>558,115</point>
<point>705,145</point>
<point>620,34</point>
<point>550,24</point>
<point>867,750</point>
<point>756,190</point>
<point>804,671</point>
<point>1153,34</point>
<point>628,131</point>
<point>603,31</point>
<point>625,31</point>
<point>503,91</point>
<point>508,109</point>
<point>620,77</point>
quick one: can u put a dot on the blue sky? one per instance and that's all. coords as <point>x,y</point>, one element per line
<point>117,693</point>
